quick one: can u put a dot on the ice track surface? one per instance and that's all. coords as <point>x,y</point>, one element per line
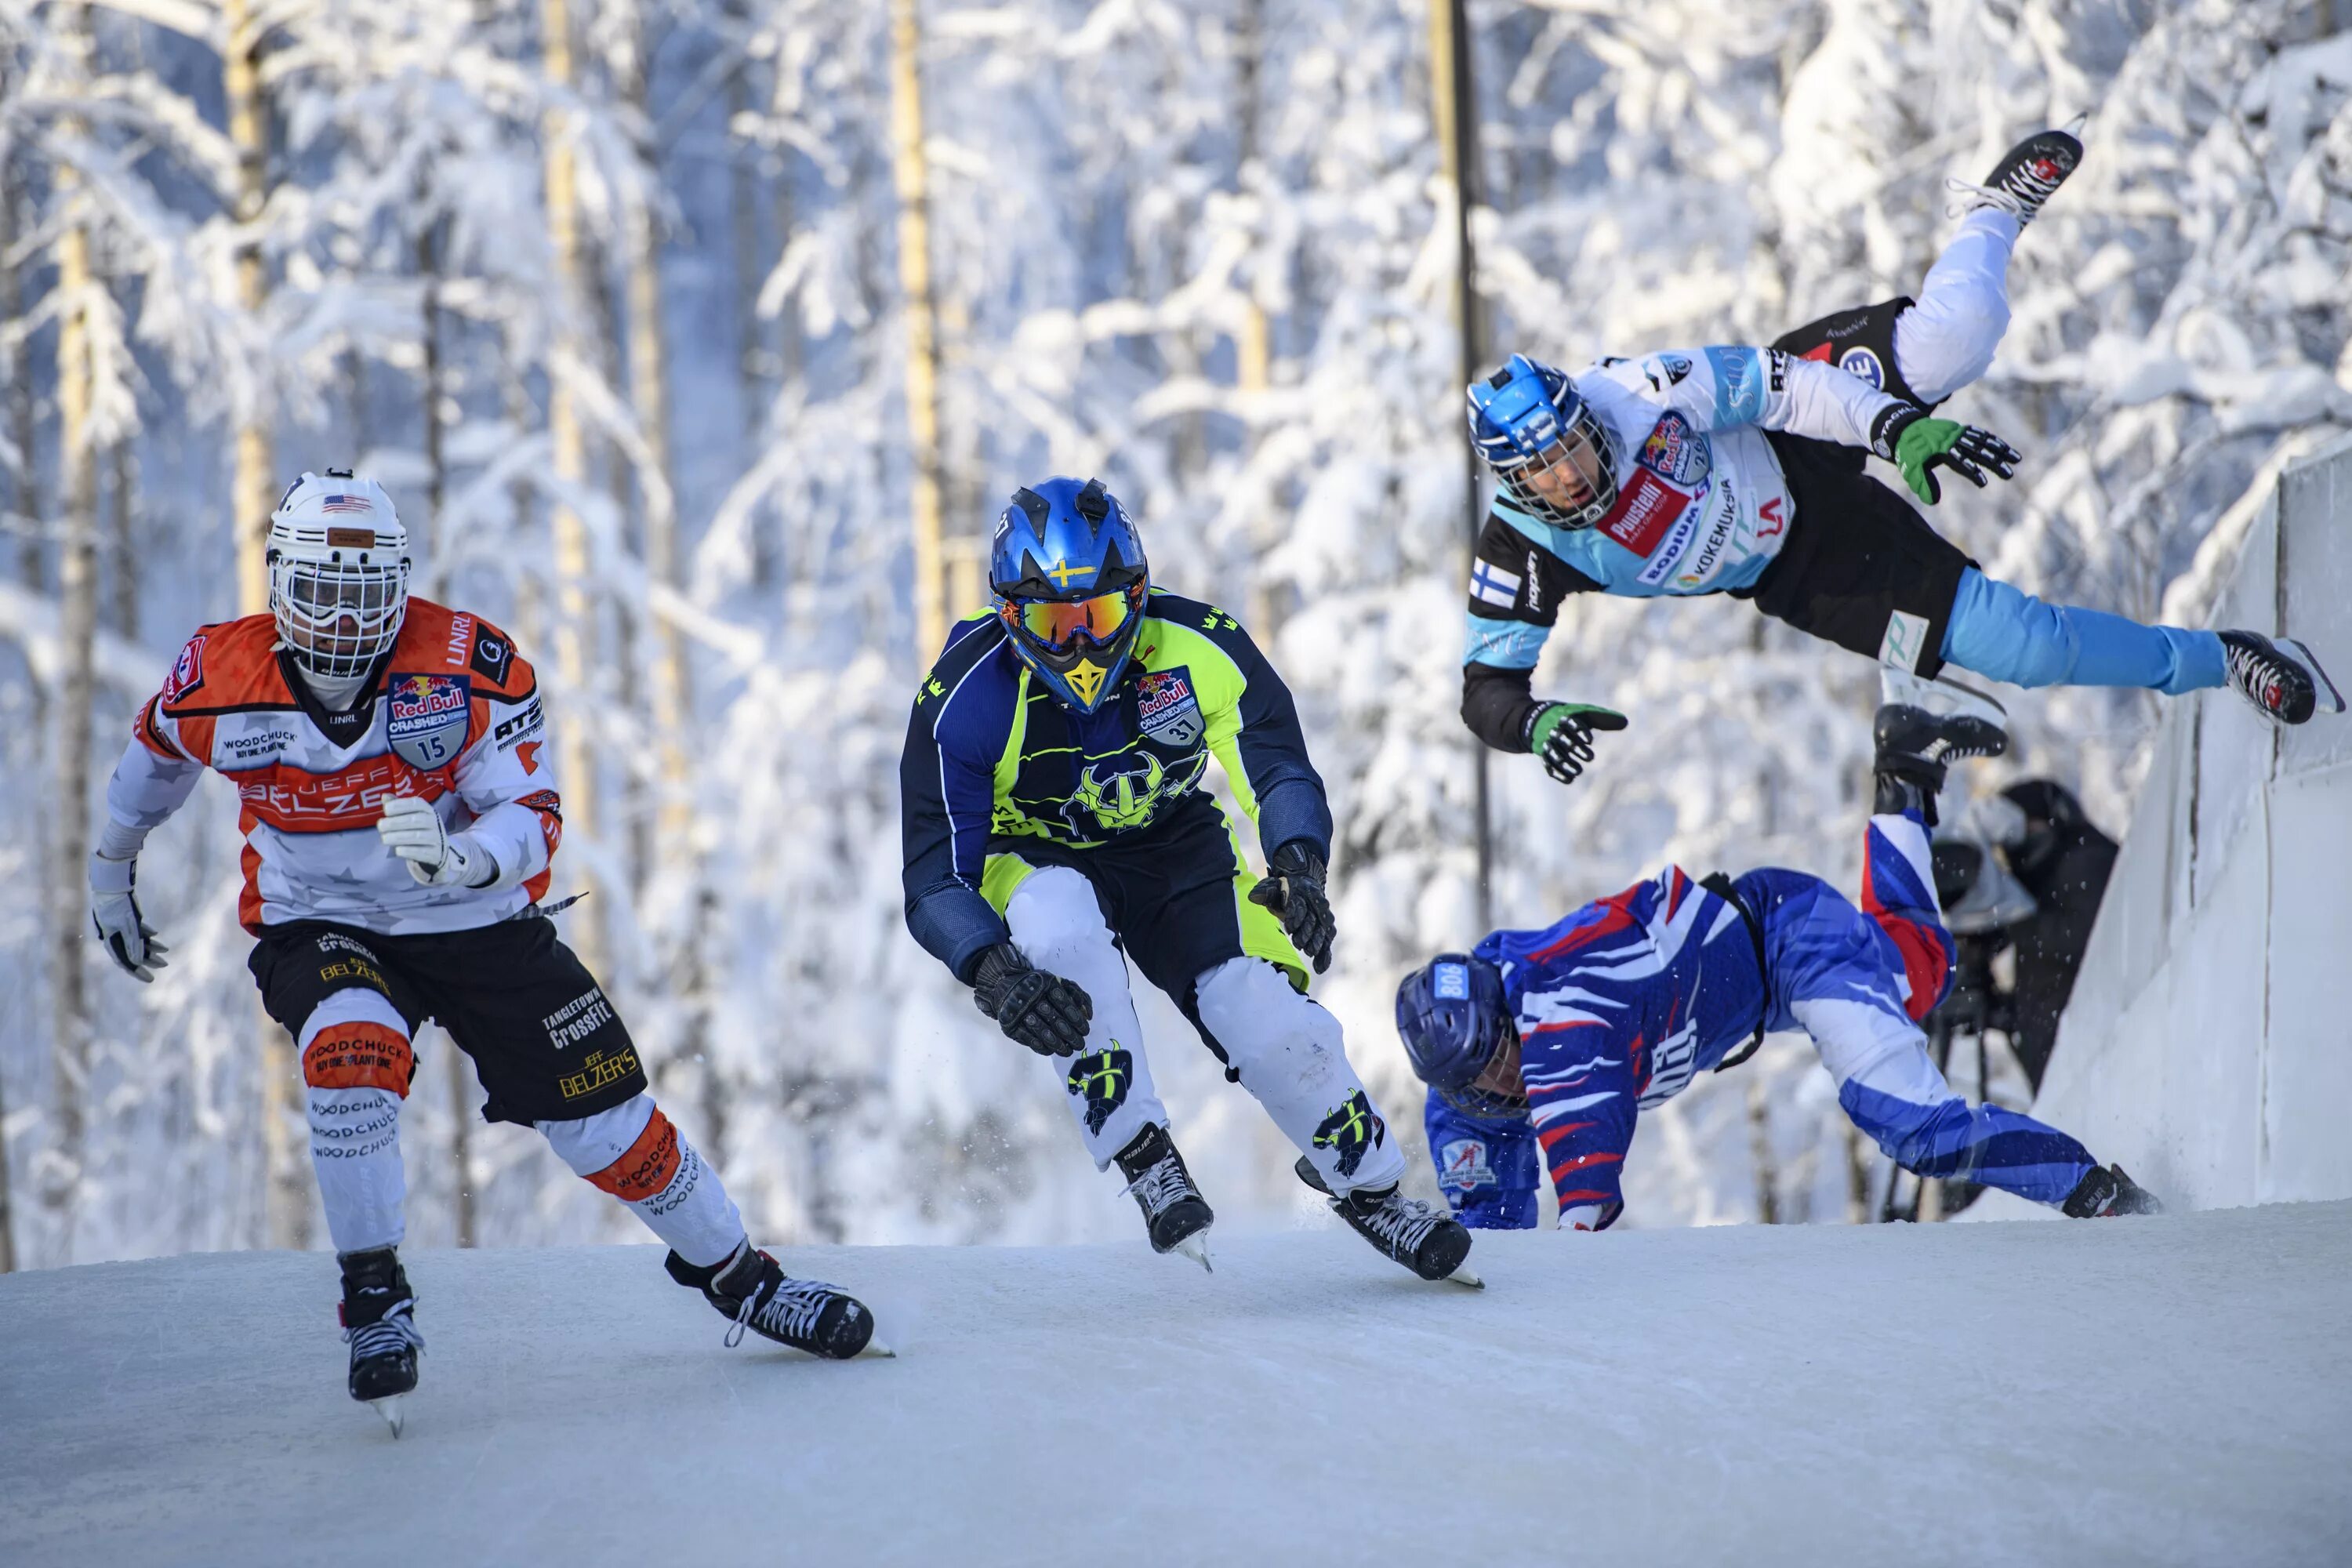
<point>2155,1391</point>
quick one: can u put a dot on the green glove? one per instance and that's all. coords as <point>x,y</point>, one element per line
<point>1924,444</point>
<point>1561,734</point>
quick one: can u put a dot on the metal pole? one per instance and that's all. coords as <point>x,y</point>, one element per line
<point>1455,106</point>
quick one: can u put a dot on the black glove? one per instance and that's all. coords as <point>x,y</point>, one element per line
<point>1561,734</point>
<point>1043,1012</point>
<point>1918,444</point>
<point>1293,889</point>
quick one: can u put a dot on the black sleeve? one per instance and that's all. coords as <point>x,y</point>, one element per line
<point>1516,589</point>
<point>1497,705</point>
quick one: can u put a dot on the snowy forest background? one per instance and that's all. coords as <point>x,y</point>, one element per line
<point>615,297</point>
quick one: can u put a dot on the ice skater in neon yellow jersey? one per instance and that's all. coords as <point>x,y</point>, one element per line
<point>1056,830</point>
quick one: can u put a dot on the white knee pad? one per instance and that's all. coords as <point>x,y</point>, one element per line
<point>1881,1050</point>
<point>356,1066</point>
<point>634,1152</point>
<point>1058,926</point>
<point>1264,1025</point>
<point>1291,1055</point>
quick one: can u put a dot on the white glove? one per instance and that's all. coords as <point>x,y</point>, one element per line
<point>128,939</point>
<point>411,829</point>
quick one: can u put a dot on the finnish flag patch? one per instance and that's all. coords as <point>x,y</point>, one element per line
<point>1491,584</point>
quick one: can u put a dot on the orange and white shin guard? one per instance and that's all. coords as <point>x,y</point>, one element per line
<point>638,1155</point>
<point>356,1065</point>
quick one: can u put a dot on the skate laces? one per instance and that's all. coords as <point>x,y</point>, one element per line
<point>788,1310</point>
<point>2258,675</point>
<point>388,1335</point>
<point>2019,194</point>
<point>1401,1224</point>
<point>1163,1183</point>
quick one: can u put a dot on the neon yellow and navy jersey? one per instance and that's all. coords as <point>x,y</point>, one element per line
<point>992,760</point>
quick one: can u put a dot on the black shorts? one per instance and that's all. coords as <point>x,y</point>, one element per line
<point>1859,341</point>
<point>1175,898</point>
<point>546,1044</point>
<point>1858,555</point>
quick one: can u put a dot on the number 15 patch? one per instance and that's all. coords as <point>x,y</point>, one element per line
<point>425,719</point>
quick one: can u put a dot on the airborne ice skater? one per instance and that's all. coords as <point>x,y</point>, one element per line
<point>1739,470</point>
<point>400,815</point>
<point>1055,829</point>
<point>1542,1048</point>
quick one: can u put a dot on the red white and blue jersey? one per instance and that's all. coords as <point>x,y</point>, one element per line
<point>1618,1007</point>
<point>1622,1003</point>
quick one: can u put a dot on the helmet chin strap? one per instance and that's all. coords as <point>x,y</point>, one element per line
<point>336,693</point>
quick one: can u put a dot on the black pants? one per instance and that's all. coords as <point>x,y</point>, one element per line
<point>545,1042</point>
<point>1857,554</point>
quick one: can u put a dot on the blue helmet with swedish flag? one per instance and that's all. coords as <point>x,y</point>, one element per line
<point>1070,579</point>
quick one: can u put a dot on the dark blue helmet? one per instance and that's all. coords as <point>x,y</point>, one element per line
<point>1453,1017</point>
<point>1549,454</point>
<point>1070,579</point>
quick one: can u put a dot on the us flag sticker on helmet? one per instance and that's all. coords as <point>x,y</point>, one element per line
<point>346,503</point>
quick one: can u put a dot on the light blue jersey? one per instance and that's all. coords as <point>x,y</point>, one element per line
<point>1701,504</point>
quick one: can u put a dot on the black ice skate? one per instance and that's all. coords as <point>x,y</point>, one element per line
<point>754,1290</point>
<point>378,1315</point>
<point>2107,1194</point>
<point>2026,177</point>
<point>2280,678</point>
<point>1174,1213</point>
<point>1914,747</point>
<point>1430,1243</point>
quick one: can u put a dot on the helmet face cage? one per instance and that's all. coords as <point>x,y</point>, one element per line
<point>1485,1103</point>
<point>337,619</point>
<point>338,573</point>
<point>1453,1017</point>
<point>1530,425</point>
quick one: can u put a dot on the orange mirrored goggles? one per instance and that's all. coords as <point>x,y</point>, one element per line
<point>1057,625</point>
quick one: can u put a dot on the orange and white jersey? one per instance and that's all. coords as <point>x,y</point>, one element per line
<point>453,718</point>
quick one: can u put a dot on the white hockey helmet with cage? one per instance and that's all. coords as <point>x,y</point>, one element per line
<point>337,573</point>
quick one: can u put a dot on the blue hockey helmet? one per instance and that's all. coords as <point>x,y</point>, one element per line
<point>1453,1017</point>
<point>1549,454</point>
<point>1070,578</point>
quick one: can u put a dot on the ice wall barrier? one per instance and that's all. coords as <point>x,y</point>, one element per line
<point>2208,1046</point>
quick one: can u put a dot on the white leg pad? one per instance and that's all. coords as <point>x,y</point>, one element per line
<point>634,1152</point>
<point>1293,1056</point>
<point>355,1128</point>
<point>1862,1041</point>
<point>1058,926</point>
<point>1948,338</point>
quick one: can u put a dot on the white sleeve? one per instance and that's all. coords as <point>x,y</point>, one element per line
<point>147,787</point>
<point>506,778</point>
<point>1725,386</point>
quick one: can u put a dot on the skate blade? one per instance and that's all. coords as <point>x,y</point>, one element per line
<point>2325,698</point>
<point>389,1408</point>
<point>1196,1248</point>
<point>1464,1278</point>
<point>877,1350</point>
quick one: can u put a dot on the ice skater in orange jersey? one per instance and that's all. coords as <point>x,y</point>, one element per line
<point>398,800</point>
